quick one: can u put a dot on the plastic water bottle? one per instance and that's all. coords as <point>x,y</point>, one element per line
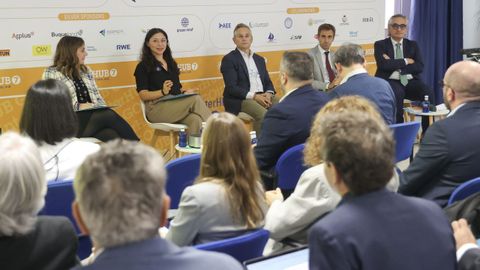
<point>182,138</point>
<point>253,137</point>
<point>426,105</point>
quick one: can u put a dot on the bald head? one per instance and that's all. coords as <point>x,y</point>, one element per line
<point>464,78</point>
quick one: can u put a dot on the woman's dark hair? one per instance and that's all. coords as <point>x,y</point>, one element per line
<point>149,59</point>
<point>48,114</point>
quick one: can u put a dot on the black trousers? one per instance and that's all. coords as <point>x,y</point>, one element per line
<point>105,125</point>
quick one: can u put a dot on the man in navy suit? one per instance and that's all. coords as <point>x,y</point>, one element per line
<point>449,153</point>
<point>400,63</point>
<point>288,123</point>
<point>120,202</point>
<point>350,62</point>
<point>248,87</point>
<point>373,228</point>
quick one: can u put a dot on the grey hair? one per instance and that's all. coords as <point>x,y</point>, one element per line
<point>298,65</point>
<point>349,54</point>
<point>22,182</point>
<point>397,16</point>
<point>120,191</point>
<point>361,149</point>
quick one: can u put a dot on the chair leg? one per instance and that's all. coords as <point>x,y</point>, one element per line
<point>153,141</point>
<point>172,144</point>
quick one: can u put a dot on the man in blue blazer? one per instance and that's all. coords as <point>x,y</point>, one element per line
<point>400,63</point>
<point>121,203</point>
<point>350,62</point>
<point>373,228</point>
<point>248,87</point>
<point>449,153</point>
<point>288,123</point>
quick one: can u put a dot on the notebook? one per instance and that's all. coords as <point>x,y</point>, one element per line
<point>294,259</point>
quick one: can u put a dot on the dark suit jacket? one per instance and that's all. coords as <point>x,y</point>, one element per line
<point>51,245</point>
<point>386,67</point>
<point>383,230</point>
<point>376,90</point>
<point>470,260</point>
<point>158,253</point>
<point>287,124</point>
<point>236,79</point>
<point>449,155</point>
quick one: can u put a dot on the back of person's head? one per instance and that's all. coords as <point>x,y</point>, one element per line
<point>227,155</point>
<point>313,151</point>
<point>326,27</point>
<point>48,115</point>
<point>349,54</point>
<point>297,65</point>
<point>22,182</point>
<point>120,192</point>
<point>361,149</point>
<point>464,78</point>
<point>66,59</point>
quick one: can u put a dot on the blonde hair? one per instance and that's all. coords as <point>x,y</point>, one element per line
<point>227,156</point>
<point>312,152</point>
<point>66,60</point>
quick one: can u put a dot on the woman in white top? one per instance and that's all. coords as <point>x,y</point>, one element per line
<point>289,220</point>
<point>49,119</point>
<point>227,199</point>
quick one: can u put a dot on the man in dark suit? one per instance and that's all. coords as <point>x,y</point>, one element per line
<point>350,62</point>
<point>400,63</point>
<point>449,153</point>
<point>468,252</point>
<point>248,87</point>
<point>121,203</point>
<point>288,123</point>
<point>373,228</point>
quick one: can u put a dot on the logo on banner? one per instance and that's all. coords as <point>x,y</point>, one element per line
<point>224,25</point>
<point>344,20</point>
<point>312,22</point>
<point>271,37</point>
<point>110,32</point>
<point>42,50</point>
<point>288,23</point>
<point>123,47</point>
<point>19,36</point>
<point>78,33</point>
<point>188,67</point>
<point>185,22</point>
<point>258,24</point>
<point>105,74</point>
<point>7,81</point>
<point>296,37</point>
<point>367,20</point>
<point>4,52</point>
<point>91,48</point>
<point>353,34</point>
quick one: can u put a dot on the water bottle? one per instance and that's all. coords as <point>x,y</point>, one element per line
<point>426,105</point>
<point>182,138</point>
<point>253,137</point>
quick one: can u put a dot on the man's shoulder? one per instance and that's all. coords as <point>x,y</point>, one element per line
<point>382,41</point>
<point>232,54</point>
<point>313,50</point>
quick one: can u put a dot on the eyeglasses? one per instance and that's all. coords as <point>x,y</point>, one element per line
<point>398,26</point>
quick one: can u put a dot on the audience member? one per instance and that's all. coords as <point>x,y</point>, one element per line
<point>313,196</point>
<point>121,203</point>
<point>95,119</point>
<point>350,62</point>
<point>248,87</point>
<point>227,198</point>
<point>373,228</point>
<point>288,123</point>
<point>468,252</point>
<point>324,71</point>
<point>157,76</point>
<point>400,63</point>
<point>449,153</point>
<point>49,119</point>
<point>28,241</point>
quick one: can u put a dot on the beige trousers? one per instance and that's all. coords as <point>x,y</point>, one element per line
<point>257,112</point>
<point>190,111</point>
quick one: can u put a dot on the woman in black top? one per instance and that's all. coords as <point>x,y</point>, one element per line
<point>157,75</point>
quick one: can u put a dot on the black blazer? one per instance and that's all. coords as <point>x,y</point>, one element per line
<point>470,260</point>
<point>385,67</point>
<point>51,245</point>
<point>449,155</point>
<point>236,79</point>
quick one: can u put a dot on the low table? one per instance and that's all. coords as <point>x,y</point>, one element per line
<point>417,111</point>
<point>187,150</point>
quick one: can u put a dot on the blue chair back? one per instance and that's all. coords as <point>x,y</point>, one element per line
<point>464,190</point>
<point>58,202</point>
<point>404,135</point>
<point>181,173</point>
<point>242,248</point>
<point>290,166</point>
